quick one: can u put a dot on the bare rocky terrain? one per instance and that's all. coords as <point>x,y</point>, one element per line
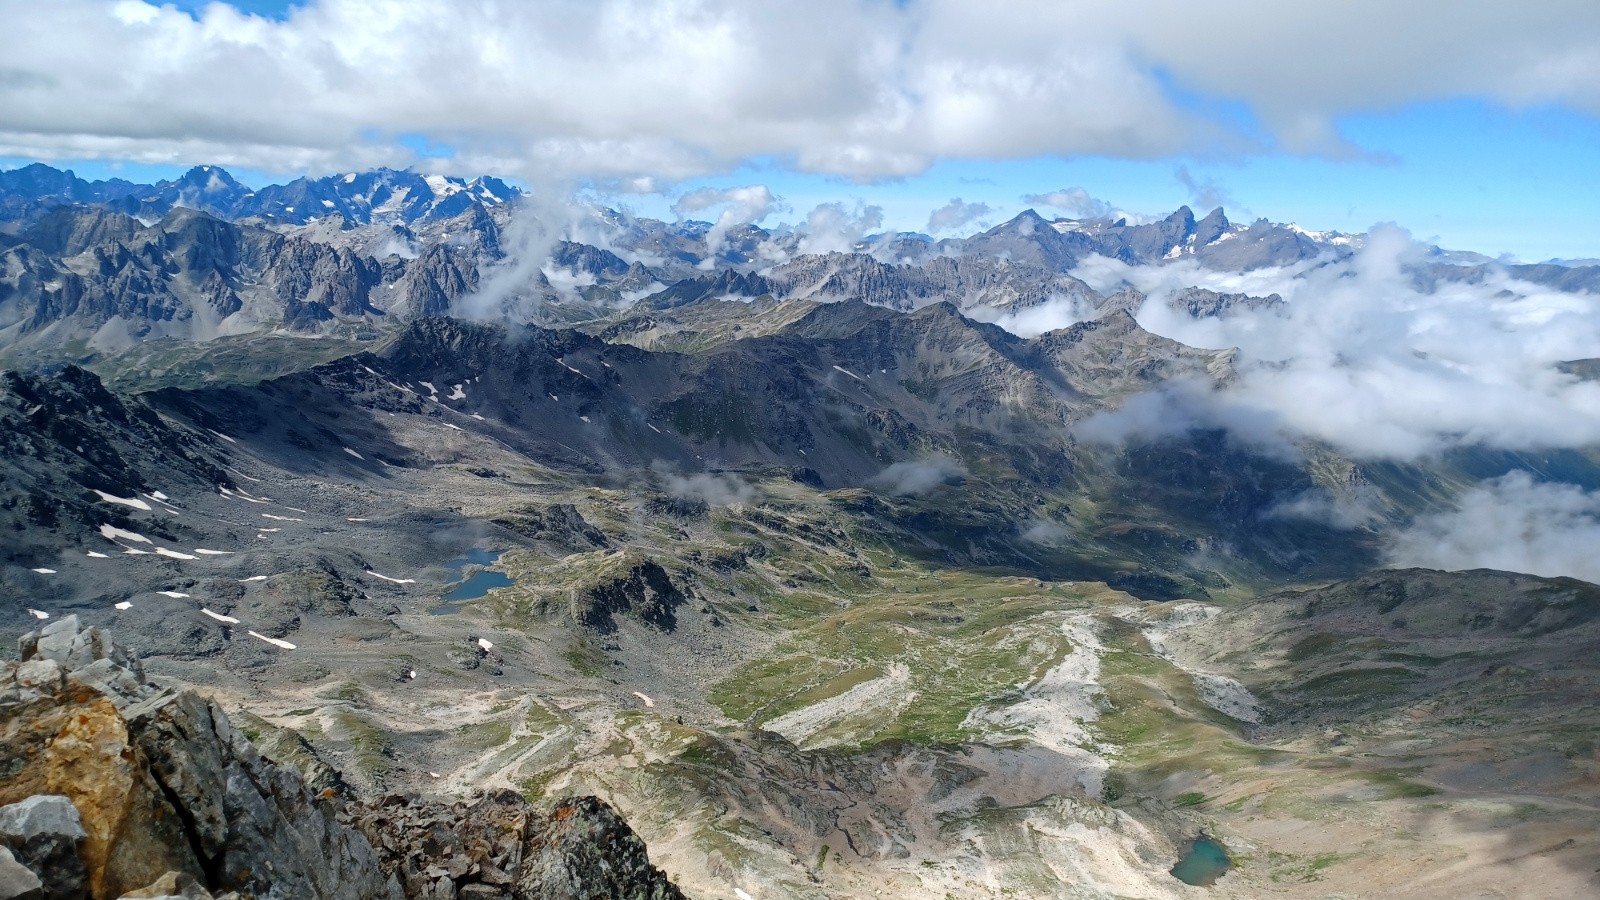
<point>779,683</point>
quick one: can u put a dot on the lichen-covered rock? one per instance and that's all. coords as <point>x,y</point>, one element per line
<point>60,736</point>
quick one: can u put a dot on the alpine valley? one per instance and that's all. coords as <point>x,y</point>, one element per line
<point>836,563</point>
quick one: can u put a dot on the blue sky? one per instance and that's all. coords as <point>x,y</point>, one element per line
<point>1502,164</point>
<point>274,9</point>
<point>1467,175</point>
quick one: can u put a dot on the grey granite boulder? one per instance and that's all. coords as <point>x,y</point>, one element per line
<point>44,833</point>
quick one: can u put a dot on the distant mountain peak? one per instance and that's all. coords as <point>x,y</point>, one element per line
<point>1024,222</point>
<point>1213,226</point>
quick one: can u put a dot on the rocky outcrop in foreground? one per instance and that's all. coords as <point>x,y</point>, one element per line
<point>500,847</point>
<point>113,787</point>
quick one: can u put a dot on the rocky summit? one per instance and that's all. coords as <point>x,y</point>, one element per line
<point>119,787</point>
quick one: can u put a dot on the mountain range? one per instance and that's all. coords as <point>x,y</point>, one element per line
<point>837,565</point>
<point>89,268</point>
<point>383,196</point>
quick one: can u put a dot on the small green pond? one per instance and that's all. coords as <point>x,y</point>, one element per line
<point>1203,864</point>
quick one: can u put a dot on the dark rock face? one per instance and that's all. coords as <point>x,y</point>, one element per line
<point>1262,244</point>
<point>627,584</point>
<point>1200,302</point>
<point>1581,369</point>
<point>728,283</point>
<point>1450,604</point>
<point>1148,242</point>
<point>557,523</point>
<point>114,787</point>
<point>590,260</point>
<point>181,276</point>
<point>500,848</point>
<point>171,270</point>
<point>73,409</point>
<point>1213,226</point>
<point>64,436</point>
<point>43,833</point>
<point>436,280</point>
<point>586,850</point>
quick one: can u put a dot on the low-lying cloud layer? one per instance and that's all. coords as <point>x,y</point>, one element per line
<point>1511,523</point>
<point>1320,506</point>
<point>1371,357</point>
<point>681,87</point>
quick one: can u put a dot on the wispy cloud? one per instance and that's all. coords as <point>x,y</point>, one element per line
<point>736,206</point>
<point>956,214</point>
<point>712,490</point>
<point>1074,201</point>
<point>919,476</point>
<point>1206,193</point>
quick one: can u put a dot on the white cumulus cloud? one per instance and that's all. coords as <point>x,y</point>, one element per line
<point>672,88</point>
<point>737,206</point>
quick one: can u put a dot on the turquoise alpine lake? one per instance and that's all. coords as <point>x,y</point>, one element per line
<point>477,585</point>
<point>1205,862</point>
